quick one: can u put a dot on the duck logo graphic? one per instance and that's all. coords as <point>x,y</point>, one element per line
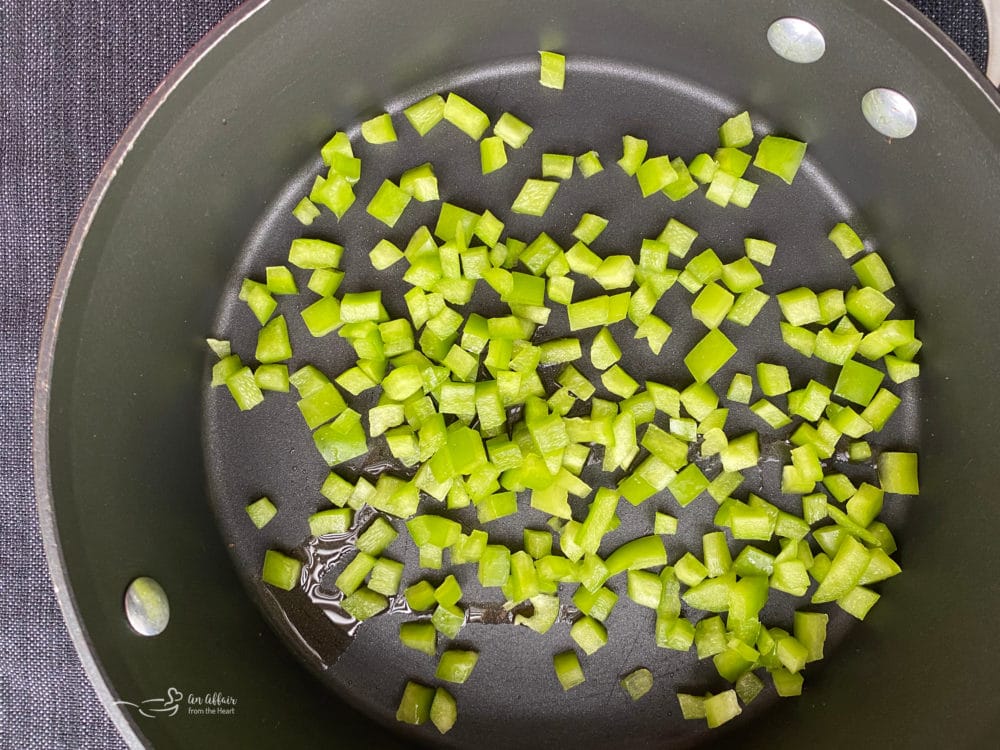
<point>155,707</point>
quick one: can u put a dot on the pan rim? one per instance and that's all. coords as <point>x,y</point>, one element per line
<point>44,499</point>
<point>950,47</point>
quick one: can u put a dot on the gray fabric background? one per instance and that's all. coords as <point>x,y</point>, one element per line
<point>72,73</point>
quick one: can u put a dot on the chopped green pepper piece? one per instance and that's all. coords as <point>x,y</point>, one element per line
<point>799,306</point>
<point>846,240</point>
<point>415,705</point>
<point>305,211</point>
<point>388,203</point>
<point>336,521</point>
<point>272,378</point>
<point>780,156</point>
<point>644,552</point>
<point>261,512</point>
<point>589,228</point>
<point>709,355</point>
<point>456,666</point>
<point>420,182</point>
<point>544,617</point>
<point>559,166</point>
<point>244,389</point>
<point>664,523</point>
<point>589,164</point>
<point>378,130</point>
<point>703,168</point>
<point>273,344</point>
<point>897,472</point>
<point>466,116</point>
<point>385,575</point>
<point>364,604</point>
<point>872,272</point>
<point>511,130</point>
<point>492,154</point>
<point>732,161</point>
<point>654,175</point>
<point>858,602</point>
<point>712,305</point>
<point>589,634</point>
<point>420,636</point>
<point>633,154</point>
<point>637,683</point>
<point>721,708</point>
<point>736,131</point>
<point>597,604</point>
<point>846,569</point>
<point>858,383</point>
<point>426,113</point>
<point>553,69</point>
<point>448,619</point>
<point>444,711</point>
<point>535,197</point>
<point>568,670</point>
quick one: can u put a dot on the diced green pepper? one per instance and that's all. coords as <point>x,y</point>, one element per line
<point>388,203</point>
<point>492,154</point>
<point>858,383</point>
<point>712,305</point>
<point>846,240</point>
<point>597,604</point>
<point>261,512</point>
<point>420,182</point>
<point>721,708</point>
<point>415,705</point>
<point>589,634</point>
<point>559,166</point>
<point>589,164</point>
<point>244,389</point>
<point>336,521</point>
<point>456,666</point>
<point>466,116</point>
<point>513,131</point>
<point>897,472</point>
<point>780,156</point>
<point>448,619</point>
<point>535,197</point>
<point>872,272</point>
<point>637,683</point>
<point>426,113</point>
<point>553,69</point>
<point>420,636</point>
<point>709,355</point>
<point>378,130</point>
<point>364,604</point>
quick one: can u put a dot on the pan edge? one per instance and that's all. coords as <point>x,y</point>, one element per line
<point>44,501</point>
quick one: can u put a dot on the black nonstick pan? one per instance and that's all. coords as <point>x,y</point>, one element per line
<point>144,471</point>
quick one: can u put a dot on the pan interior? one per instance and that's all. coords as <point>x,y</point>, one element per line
<point>513,697</point>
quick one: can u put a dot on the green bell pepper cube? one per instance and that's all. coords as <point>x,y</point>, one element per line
<point>709,355</point>
<point>780,156</point>
<point>426,113</point>
<point>897,472</point>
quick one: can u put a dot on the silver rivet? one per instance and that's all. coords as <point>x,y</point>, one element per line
<point>146,606</point>
<point>796,40</point>
<point>889,112</point>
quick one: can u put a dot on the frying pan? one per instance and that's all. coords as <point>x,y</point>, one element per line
<point>141,472</point>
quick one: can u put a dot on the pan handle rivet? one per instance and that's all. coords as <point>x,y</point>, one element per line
<point>796,40</point>
<point>146,606</point>
<point>889,112</point>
